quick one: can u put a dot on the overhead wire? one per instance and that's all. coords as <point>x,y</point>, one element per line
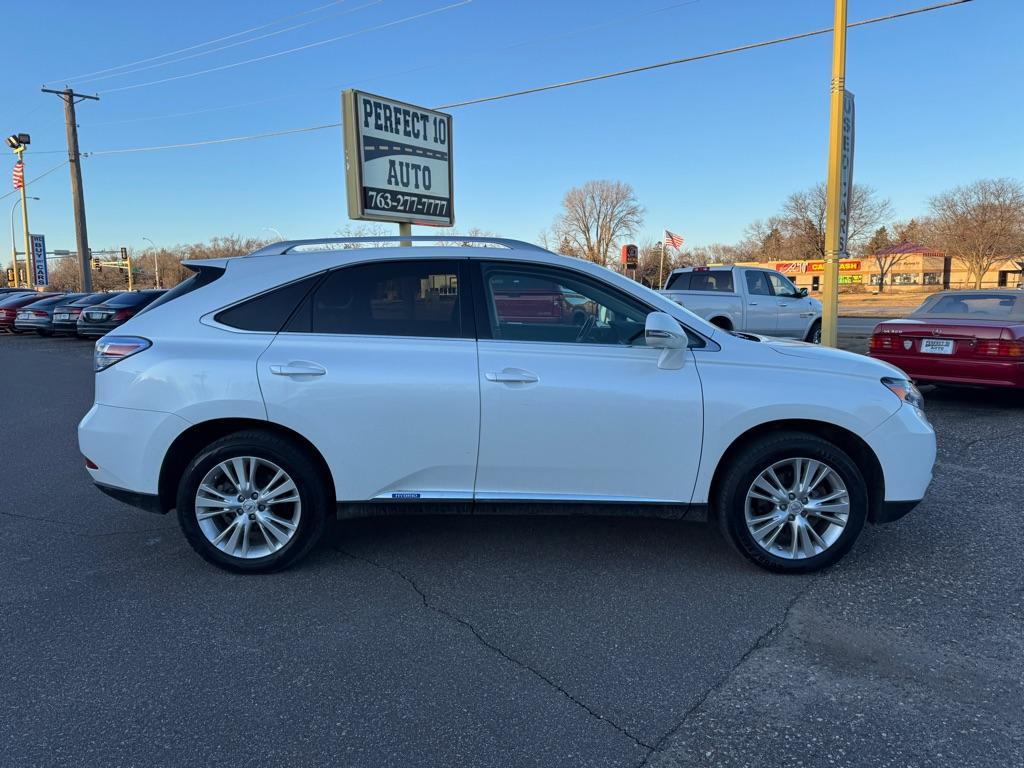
<point>37,178</point>
<point>259,28</point>
<point>235,44</point>
<point>307,46</point>
<point>564,84</point>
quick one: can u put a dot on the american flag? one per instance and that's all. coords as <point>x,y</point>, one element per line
<point>18,177</point>
<point>672,240</point>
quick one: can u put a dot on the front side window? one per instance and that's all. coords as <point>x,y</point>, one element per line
<point>781,285</point>
<point>757,283</point>
<point>529,303</point>
<point>386,298</point>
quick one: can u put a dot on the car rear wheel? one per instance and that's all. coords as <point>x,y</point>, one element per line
<point>792,503</point>
<point>252,502</point>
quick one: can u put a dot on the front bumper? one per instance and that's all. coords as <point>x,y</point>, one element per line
<point>905,447</point>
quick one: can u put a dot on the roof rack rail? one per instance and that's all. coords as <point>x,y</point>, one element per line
<point>286,246</point>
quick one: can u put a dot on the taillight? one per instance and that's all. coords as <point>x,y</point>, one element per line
<point>123,314</point>
<point>6,312</point>
<point>114,349</point>
<point>38,313</point>
<point>880,341</point>
<point>999,348</point>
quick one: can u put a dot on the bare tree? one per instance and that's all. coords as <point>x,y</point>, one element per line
<point>980,223</point>
<point>595,217</point>
<point>804,219</point>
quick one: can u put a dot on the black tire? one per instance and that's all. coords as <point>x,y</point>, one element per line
<point>731,492</point>
<point>45,334</point>
<point>814,334</point>
<point>295,461</point>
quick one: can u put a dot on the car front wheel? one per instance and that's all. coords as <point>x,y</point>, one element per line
<point>252,502</point>
<point>792,503</point>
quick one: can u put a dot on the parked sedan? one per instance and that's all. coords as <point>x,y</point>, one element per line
<point>66,314</point>
<point>100,319</point>
<point>9,306</point>
<point>38,316</point>
<point>959,337</point>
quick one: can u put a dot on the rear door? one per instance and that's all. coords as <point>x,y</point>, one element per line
<point>378,369</point>
<point>762,311</point>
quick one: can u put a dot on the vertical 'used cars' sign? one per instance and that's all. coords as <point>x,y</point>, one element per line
<point>40,273</point>
<point>846,174</point>
<point>398,161</point>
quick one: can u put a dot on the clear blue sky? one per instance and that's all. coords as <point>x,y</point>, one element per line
<point>709,146</point>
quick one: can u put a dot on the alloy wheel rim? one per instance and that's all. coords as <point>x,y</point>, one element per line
<point>248,507</point>
<point>797,508</point>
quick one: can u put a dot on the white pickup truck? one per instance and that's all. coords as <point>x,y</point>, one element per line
<point>748,299</point>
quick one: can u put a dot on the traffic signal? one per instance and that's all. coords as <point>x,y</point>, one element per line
<point>10,276</point>
<point>97,265</point>
<point>124,254</point>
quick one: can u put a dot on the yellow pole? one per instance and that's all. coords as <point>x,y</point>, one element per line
<point>29,277</point>
<point>405,230</point>
<point>129,257</point>
<point>830,289</point>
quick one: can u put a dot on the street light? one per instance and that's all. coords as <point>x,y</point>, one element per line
<point>14,243</point>
<point>156,261</point>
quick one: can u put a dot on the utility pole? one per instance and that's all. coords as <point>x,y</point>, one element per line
<point>71,98</point>
<point>833,205</point>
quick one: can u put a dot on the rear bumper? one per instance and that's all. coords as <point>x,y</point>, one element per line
<point>65,326</point>
<point>35,324</point>
<point>949,370</point>
<point>128,446</point>
<point>95,330</point>
<point>148,502</point>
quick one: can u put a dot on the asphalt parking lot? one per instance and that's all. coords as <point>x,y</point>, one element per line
<point>490,641</point>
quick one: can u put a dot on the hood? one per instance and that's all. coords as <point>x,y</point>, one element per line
<point>831,360</point>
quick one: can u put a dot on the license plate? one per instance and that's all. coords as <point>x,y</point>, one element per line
<point>23,315</point>
<point>62,316</point>
<point>95,316</point>
<point>937,346</point>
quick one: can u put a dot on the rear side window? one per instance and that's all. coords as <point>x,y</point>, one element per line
<point>757,283</point>
<point>268,311</point>
<point>387,298</point>
<point>718,280</point>
<point>204,276</point>
<point>679,282</point>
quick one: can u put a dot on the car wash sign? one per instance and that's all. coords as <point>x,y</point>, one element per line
<point>398,161</point>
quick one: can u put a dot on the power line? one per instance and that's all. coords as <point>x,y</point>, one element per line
<point>199,45</point>
<point>305,47</point>
<point>37,178</point>
<point>460,60</point>
<point>698,57</point>
<point>235,44</point>
<point>566,84</point>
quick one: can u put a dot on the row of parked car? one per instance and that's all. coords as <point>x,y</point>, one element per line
<point>86,315</point>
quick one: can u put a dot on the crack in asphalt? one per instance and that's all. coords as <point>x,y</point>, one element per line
<point>497,649</point>
<point>762,641</point>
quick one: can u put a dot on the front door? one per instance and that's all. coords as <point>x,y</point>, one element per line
<point>378,369</point>
<point>573,405</point>
<point>795,311</point>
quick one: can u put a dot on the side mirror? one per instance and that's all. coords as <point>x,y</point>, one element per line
<point>801,292</point>
<point>662,331</point>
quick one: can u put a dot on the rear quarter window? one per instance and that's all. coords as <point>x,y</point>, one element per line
<point>268,311</point>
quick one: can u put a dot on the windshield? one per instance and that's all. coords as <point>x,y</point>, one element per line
<point>992,305</point>
<point>131,299</point>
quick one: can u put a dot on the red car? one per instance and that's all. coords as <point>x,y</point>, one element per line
<point>9,307</point>
<point>958,337</point>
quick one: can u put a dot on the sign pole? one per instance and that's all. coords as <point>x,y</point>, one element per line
<point>661,266</point>
<point>405,230</point>
<point>833,207</point>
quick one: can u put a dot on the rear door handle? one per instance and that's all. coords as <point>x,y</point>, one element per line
<point>298,369</point>
<point>512,376</point>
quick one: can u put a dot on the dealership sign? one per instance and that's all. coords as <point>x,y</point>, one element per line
<point>846,172</point>
<point>398,161</point>
<point>40,274</point>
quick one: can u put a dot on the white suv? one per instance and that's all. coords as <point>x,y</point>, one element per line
<point>270,391</point>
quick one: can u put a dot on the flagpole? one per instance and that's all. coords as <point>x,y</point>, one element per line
<point>661,267</point>
<point>29,278</point>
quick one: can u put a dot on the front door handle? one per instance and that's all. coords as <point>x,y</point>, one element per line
<point>753,303</point>
<point>512,376</point>
<point>783,305</point>
<point>298,368</point>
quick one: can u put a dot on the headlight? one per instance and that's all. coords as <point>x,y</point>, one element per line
<point>905,390</point>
